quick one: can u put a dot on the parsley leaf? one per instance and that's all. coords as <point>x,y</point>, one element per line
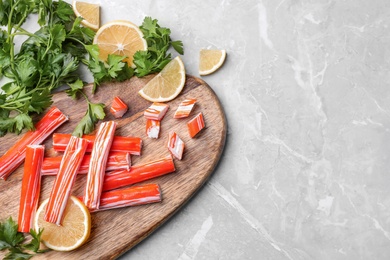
<point>63,11</point>
<point>39,100</point>
<point>75,88</point>
<point>22,121</point>
<point>94,113</point>
<point>178,46</point>
<point>9,235</point>
<point>79,32</point>
<point>27,71</point>
<point>15,124</point>
<point>34,244</point>
<point>156,56</point>
<point>14,241</point>
<point>115,69</point>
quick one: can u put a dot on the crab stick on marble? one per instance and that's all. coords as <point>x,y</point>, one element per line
<point>97,165</point>
<point>138,173</point>
<point>195,125</point>
<point>31,186</point>
<point>156,111</point>
<point>115,161</point>
<point>185,108</point>
<point>66,176</point>
<point>131,196</point>
<point>127,144</point>
<point>175,145</point>
<point>118,107</point>
<point>14,157</point>
<point>152,128</point>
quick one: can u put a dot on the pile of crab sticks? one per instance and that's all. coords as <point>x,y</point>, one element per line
<point>104,157</point>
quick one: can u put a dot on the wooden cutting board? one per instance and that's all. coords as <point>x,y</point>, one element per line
<point>116,231</point>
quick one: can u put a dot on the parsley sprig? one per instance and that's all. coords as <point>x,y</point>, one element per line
<point>15,242</point>
<point>95,112</point>
<point>115,69</point>
<point>159,42</point>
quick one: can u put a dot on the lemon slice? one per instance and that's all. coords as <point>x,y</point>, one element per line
<point>121,38</point>
<point>210,61</point>
<point>75,228</point>
<point>89,12</point>
<point>167,84</point>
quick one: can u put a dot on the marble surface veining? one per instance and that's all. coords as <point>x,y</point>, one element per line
<point>305,87</point>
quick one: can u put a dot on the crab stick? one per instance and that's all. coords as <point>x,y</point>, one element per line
<point>195,125</point>
<point>185,108</point>
<point>118,107</point>
<point>126,144</point>
<point>14,157</point>
<point>65,179</point>
<point>138,173</point>
<point>115,161</point>
<point>156,111</point>
<point>131,196</point>
<point>152,128</point>
<point>31,186</point>
<point>97,165</point>
<point>175,145</point>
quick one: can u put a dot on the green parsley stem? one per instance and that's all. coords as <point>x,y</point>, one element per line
<point>24,32</point>
<point>76,40</point>
<point>11,36</point>
<point>10,16</point>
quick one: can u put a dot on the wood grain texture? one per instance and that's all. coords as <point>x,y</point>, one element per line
<point>117,231</point>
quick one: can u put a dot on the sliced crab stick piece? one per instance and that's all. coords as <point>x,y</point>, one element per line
<point>31,186</point>
<point>175,145</point>
<point>156,111</point>
<point>195,125</point>
<point>131,196</point>
<point>152,128</point>
<point>138,173</point>
<point>185,108</point>
<point>118,107</point>
<point>97,165</point>
<point>115,161</point>
<point>65,179</point>
<point>125,144</point>
<point>14,157</point>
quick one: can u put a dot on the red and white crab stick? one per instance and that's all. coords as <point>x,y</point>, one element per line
<point>131,196</point>
<point>97,165</point>
<point>14,157</point>
<point>31,186</point>
<point>195,125</point>
<point>175,145</point>
<point>118,107</point>
<point>156,111</point>
<point>138,173</point>
<point>185,108</point>
<point>127,144</point>
<point>116,161</point>
<point>152,128</point>
<point>65,179</point>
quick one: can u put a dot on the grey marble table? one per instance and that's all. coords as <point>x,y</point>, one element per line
<point>306,91</point>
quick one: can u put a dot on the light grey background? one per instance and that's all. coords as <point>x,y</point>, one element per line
<point>305,87</point>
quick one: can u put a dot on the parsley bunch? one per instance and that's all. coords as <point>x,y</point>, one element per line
<point>14,241</point>
<point>47,59</point>
<point>156,56</point>
<point>50,58</point>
